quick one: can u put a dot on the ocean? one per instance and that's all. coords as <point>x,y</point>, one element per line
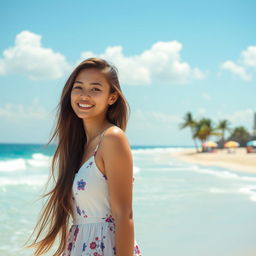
<point>179,209</point>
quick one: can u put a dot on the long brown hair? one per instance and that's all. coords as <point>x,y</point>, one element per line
<point>71,140</point>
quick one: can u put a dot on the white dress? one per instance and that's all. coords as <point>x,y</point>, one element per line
<point>93,230</point>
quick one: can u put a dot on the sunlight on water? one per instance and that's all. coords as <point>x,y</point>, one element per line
<point>179,208</point>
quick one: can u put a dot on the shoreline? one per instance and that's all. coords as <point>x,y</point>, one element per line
<point>239,160</point>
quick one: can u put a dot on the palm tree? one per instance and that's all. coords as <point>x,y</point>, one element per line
<point>223,126</point>
<point>189,122</point>
<point>204,129</point>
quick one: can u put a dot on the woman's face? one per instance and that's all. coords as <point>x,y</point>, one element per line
<point>90,94</point>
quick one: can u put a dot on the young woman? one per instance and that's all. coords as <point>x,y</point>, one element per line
<point>94,169</point>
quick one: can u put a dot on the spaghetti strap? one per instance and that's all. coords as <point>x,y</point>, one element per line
<point>96,148</point>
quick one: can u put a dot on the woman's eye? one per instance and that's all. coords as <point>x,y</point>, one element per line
<point>79,87</point>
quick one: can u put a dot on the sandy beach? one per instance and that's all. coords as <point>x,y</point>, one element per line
<point>239,160</point>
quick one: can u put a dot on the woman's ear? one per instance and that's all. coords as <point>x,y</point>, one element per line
<point>113,97</point>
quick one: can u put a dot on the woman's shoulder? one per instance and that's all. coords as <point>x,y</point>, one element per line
<point>116,149</point>
<point>114,136</point>
<point>114,130</point>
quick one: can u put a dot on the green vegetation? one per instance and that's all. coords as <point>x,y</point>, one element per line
<point>204,128</point>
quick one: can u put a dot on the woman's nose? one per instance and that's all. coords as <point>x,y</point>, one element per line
<point>85,93</point>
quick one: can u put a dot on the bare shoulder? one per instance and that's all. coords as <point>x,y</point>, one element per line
<point>118,164</point>
<point>114,136</point>
<point>115,143</point>
<point>114,130</point>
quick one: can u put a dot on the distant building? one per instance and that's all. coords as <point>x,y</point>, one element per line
<point>254,126</point>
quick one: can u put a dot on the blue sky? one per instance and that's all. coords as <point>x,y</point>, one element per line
<point>173,57</point>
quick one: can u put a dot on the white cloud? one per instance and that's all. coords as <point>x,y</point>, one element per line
<point>154,117</point>
<point>249,56</point>
<point>240,68</point>
<point>20,111</point>
<point>236,69</point>
<point>159,64</point>
<point>242,117</point>
<point>164,117</point>
<point>29,58</point>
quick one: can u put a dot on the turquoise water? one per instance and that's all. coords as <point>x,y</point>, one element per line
<point>180,209</point>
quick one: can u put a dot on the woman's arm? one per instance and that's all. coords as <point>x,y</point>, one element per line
<point>118,164</point>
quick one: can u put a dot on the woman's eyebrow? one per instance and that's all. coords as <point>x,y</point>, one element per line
<point>93,83</point>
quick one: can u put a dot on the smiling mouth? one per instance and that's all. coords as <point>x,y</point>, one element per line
<point>85,108</point>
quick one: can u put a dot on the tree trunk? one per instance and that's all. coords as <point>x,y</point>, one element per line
<point>194,141</point>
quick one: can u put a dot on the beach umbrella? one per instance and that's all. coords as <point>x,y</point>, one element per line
<point>251,143</point>
<point>231,144</point>
<point>210,144</point>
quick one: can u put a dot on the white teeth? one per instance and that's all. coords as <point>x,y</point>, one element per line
<point>85,105</point>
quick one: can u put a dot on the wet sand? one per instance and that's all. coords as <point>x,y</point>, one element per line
<point>238,160</point>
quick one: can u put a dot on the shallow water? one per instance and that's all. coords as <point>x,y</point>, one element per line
<point>179,208</point>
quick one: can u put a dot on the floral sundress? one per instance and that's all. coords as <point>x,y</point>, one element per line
<point>93,230</point>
